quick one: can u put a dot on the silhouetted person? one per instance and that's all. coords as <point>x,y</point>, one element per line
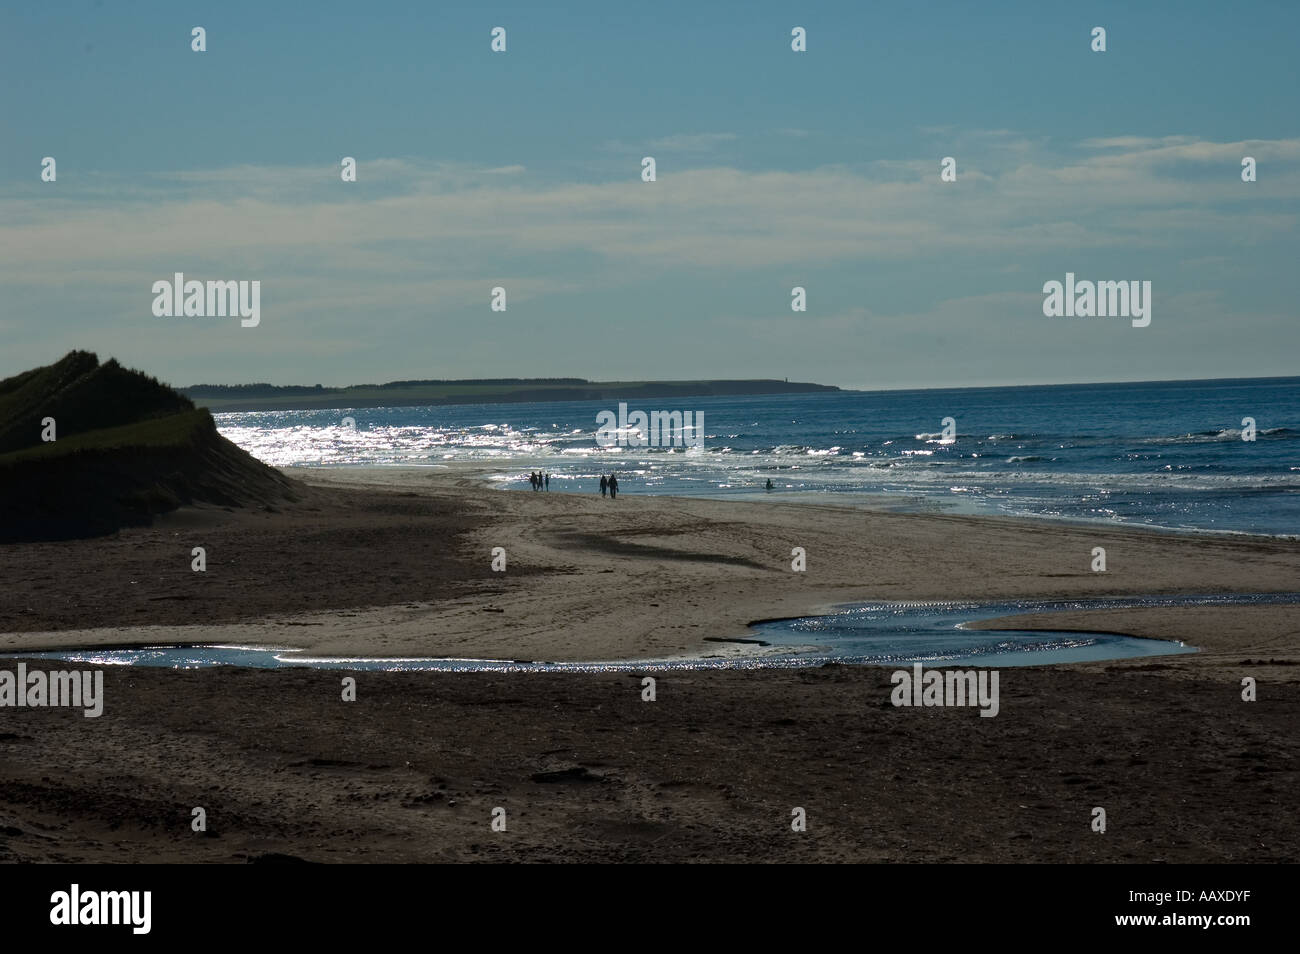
<point>604,485</point>
<point>769,483</point>
<point>548,483</point>
<point>613,486</point>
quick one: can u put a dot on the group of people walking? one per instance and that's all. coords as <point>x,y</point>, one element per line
<point>608,485</point>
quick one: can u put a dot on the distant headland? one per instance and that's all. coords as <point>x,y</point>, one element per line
<point>271,397</point>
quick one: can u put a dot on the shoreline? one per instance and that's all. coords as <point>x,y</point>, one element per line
<point>879,501</point>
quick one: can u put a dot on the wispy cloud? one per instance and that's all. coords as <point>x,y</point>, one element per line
<point>693,142</point>
<point>710,215</point>
<point>414,241</point>
<point>678,142</point>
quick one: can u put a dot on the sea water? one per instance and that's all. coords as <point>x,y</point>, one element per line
<point>1165,454</point>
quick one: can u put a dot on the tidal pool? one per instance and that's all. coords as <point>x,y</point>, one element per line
<point>883,633</point>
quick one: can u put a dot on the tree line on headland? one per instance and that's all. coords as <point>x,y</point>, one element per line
<point>271,397</point>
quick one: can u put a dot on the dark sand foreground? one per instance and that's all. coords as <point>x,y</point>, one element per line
<point>586,770</point>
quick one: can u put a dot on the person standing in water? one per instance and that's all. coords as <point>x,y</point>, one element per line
<point>604,485</point>
<point>548,483</point>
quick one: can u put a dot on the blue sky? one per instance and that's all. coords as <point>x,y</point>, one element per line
<point>775,169</point>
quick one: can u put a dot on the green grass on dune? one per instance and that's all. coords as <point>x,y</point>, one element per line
<point>82,396</point>
<point>23,394</point>
<point>175,431</point>
<point>128,448</point>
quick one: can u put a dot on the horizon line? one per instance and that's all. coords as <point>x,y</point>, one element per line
<point>838,387</point>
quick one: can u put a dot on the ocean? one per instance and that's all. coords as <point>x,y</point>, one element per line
<point>1162,454</point>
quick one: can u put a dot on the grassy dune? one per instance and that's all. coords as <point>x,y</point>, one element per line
<point>127,448</point>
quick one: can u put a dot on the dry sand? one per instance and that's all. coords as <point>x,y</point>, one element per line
<point>586,770</point>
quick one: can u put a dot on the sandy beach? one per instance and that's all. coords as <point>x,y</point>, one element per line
<point>397,561</point>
